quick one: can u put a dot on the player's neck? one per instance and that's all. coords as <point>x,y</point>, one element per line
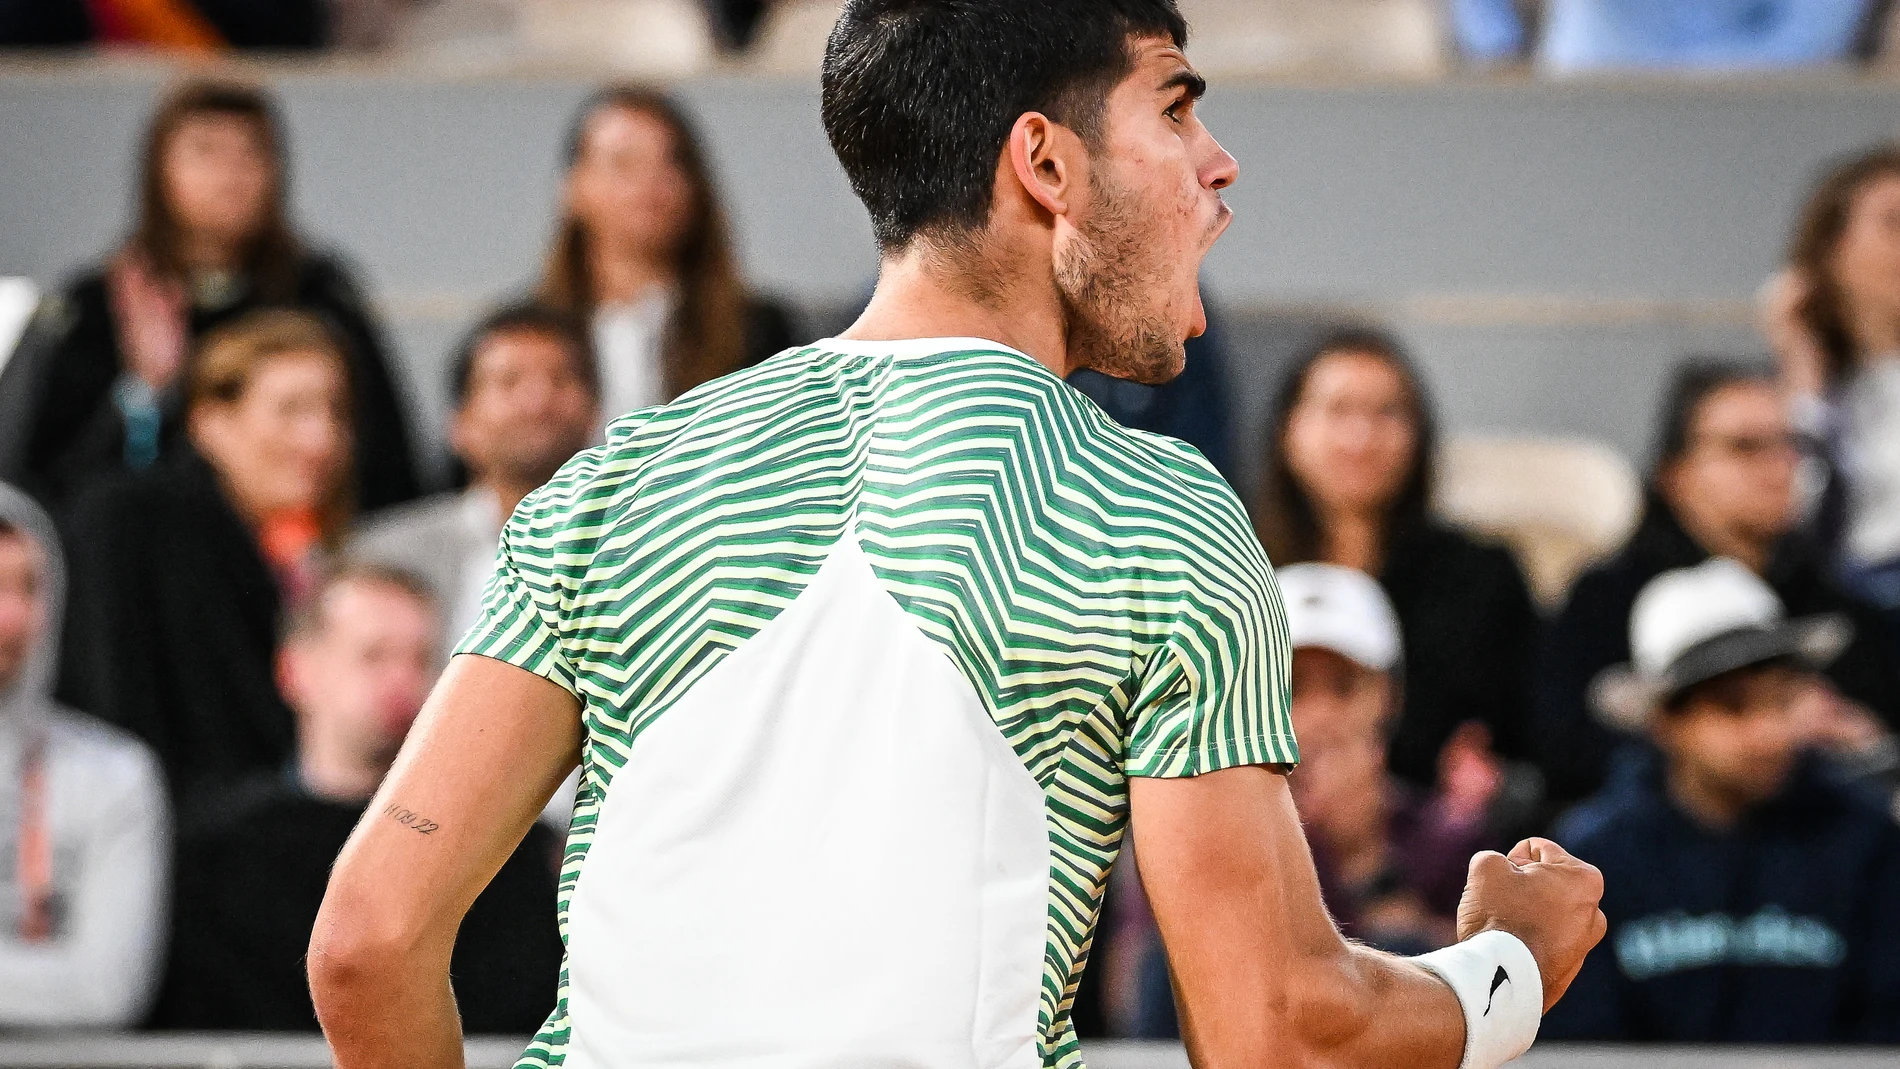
<point>925,295</point>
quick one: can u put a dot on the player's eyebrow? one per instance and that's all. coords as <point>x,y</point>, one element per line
<point>1187,79</point>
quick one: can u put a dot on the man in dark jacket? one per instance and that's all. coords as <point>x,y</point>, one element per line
<point>253,862</point>
<point>1724,485</point>
<point>1751,897</point>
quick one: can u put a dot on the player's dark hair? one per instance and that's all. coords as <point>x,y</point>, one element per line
<point>1284,516</point>
<point>920,95</point>
<point>531,317</point>
<point>1696,380</point>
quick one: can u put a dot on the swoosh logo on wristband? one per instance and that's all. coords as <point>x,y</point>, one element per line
<point>1497,981</point>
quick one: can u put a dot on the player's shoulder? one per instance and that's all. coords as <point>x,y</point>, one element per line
<point>650,443</point>
<point>1176,488</point>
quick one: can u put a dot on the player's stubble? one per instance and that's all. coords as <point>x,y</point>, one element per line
<point>1109,277</point>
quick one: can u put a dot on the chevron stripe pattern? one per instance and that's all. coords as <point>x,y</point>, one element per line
<point>1100,588</point>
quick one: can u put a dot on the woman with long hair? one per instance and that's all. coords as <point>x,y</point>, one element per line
<point>643,254</point>
<point>182,572</point>
<point>1348,481</point>
<point>97,386</point>
<point>1833,318</point>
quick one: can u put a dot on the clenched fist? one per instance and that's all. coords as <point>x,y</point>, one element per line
<point>1543,896</point>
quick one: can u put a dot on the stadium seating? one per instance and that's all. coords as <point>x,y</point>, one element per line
<point>657,39</point>
<point>1405,37</point>
<point>1560,504</point>
<point>791,41</point>
<point>647,38</point>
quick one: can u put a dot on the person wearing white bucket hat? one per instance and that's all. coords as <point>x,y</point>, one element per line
<point>1692,625</point>
<point>1754,896</point>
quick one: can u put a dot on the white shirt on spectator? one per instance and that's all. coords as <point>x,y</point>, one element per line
<point>1870,455</point>
<point>629,340</point>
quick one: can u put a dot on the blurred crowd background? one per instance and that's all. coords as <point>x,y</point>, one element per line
<point>1556,351</point>
<point>685,36</point>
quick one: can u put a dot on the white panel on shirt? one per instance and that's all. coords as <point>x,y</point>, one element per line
<point>730,858</point>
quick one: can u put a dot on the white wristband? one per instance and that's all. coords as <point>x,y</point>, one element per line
<point>1498,984</point>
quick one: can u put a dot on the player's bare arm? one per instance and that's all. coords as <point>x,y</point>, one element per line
<point>483,758</point>
<point>1263,976</point>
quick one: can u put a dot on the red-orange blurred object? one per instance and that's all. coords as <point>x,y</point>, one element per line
<point>173,24</point>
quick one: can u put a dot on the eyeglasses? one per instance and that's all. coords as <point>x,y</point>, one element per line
<point>1752,446</point>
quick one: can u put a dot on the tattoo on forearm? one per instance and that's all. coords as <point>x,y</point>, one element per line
<point>409,818</point>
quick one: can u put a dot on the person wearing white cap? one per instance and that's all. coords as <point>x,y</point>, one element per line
<point>1391,858</point>
<point>1754,897</point>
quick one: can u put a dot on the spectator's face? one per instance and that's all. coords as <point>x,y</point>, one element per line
<point>22,605</point>
<point>360,678</point>
<point>1350,438</point>
<point>1738,473</point>
<point>218,176</point>
<point>1339,713</point>
<point>1128,263</point>
<point>1738,738</point>
<point>1867,259</point>
<point>528,409</point>
<point>628,188</point>
<point>284,443</point>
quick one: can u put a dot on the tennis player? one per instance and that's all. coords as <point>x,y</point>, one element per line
<point>870,655</point>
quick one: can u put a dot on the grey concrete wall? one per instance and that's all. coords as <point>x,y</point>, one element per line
<point>1547,249</point>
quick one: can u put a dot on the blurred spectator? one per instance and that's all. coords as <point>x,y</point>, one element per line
<point>1834,320</point>
<point>1348,479</point>
<point>1751,898</point>
<point>182,572</point>
<point>182,25</point>
<point>1391,859</point>
<point>356,664</point>
<point>1723,485</point>
<point>1192,408</point>
<point>526,399</point>
<point>83,837</point>
<point>642,254</point>
<point>1585,35</point>
<point>95,388</point>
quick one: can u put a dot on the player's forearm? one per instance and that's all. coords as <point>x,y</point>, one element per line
<point>383,1008</point>
<point>1370,1009</point>
<point>1354,1009</point>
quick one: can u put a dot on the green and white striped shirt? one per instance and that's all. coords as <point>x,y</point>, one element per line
<point>867,640</point>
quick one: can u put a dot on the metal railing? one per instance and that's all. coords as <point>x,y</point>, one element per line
<point>253,1051</point>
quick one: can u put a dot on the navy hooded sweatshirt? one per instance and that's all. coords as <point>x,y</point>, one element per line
<point>1784,929</point>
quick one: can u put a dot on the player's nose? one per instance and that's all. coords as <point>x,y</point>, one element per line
<point>1221,169</point>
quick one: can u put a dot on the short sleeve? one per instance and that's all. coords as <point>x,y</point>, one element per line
<point>516,629</point>
<point>1216,694</point>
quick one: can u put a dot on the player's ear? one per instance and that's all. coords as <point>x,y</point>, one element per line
<point>1042,156</point>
